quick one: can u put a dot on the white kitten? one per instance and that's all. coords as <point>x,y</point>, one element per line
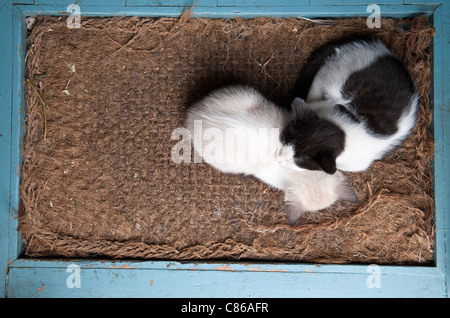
<point>240,133</point>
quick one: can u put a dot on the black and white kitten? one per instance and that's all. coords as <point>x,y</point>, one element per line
<point>237,130</point>
<point>363,103</point>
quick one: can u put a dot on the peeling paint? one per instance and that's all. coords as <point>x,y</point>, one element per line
<point>7,267</point>
<point>41,289</point>
<point>170,264</point>
<point>193,268</point>
<point>256,269</point>
<point>151,282</point>
<point>308,271</point>
<point>121,266</point>
<point>224,268</point>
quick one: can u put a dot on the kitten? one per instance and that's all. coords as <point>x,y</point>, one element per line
<point>363,104</point>
<point>243,128</point>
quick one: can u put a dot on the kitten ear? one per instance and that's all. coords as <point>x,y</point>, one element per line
<point>347,193</point>
<point>301,109</point>
<point>293,213</point>
<point>327,162</point>
<point>307,162</point>
<point>324,161</point>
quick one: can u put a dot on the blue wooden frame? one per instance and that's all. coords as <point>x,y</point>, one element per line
<point>22,277</point>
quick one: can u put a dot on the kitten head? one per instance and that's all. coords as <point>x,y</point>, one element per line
<point>309,142</point>
<point>313,191</point>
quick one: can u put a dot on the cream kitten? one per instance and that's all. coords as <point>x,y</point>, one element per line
<point>237,130</point>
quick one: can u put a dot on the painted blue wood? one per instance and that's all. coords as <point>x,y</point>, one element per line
<point>173,279</point>
<point>154,3</point>
<point>257,3</point>
<point>17,123</point>
<point>179,3</point>
<point>143,3</point>
<point>82,2</point>
<point>392,11</point>
<point>5,135</point>
<point>441,104</point>
<point>352,2</point>
<point>23,2</point>
<point>293,268</point>
<point>34,282</point>
<point>424,1</point>
<point>44,278</point>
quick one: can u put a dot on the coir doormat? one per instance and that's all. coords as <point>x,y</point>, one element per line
<point>103,100</point>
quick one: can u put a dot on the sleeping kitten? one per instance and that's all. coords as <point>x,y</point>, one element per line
<point>243,128</point>
<point>363,103</point>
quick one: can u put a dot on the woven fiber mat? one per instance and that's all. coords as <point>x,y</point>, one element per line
<point>98,179</point>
